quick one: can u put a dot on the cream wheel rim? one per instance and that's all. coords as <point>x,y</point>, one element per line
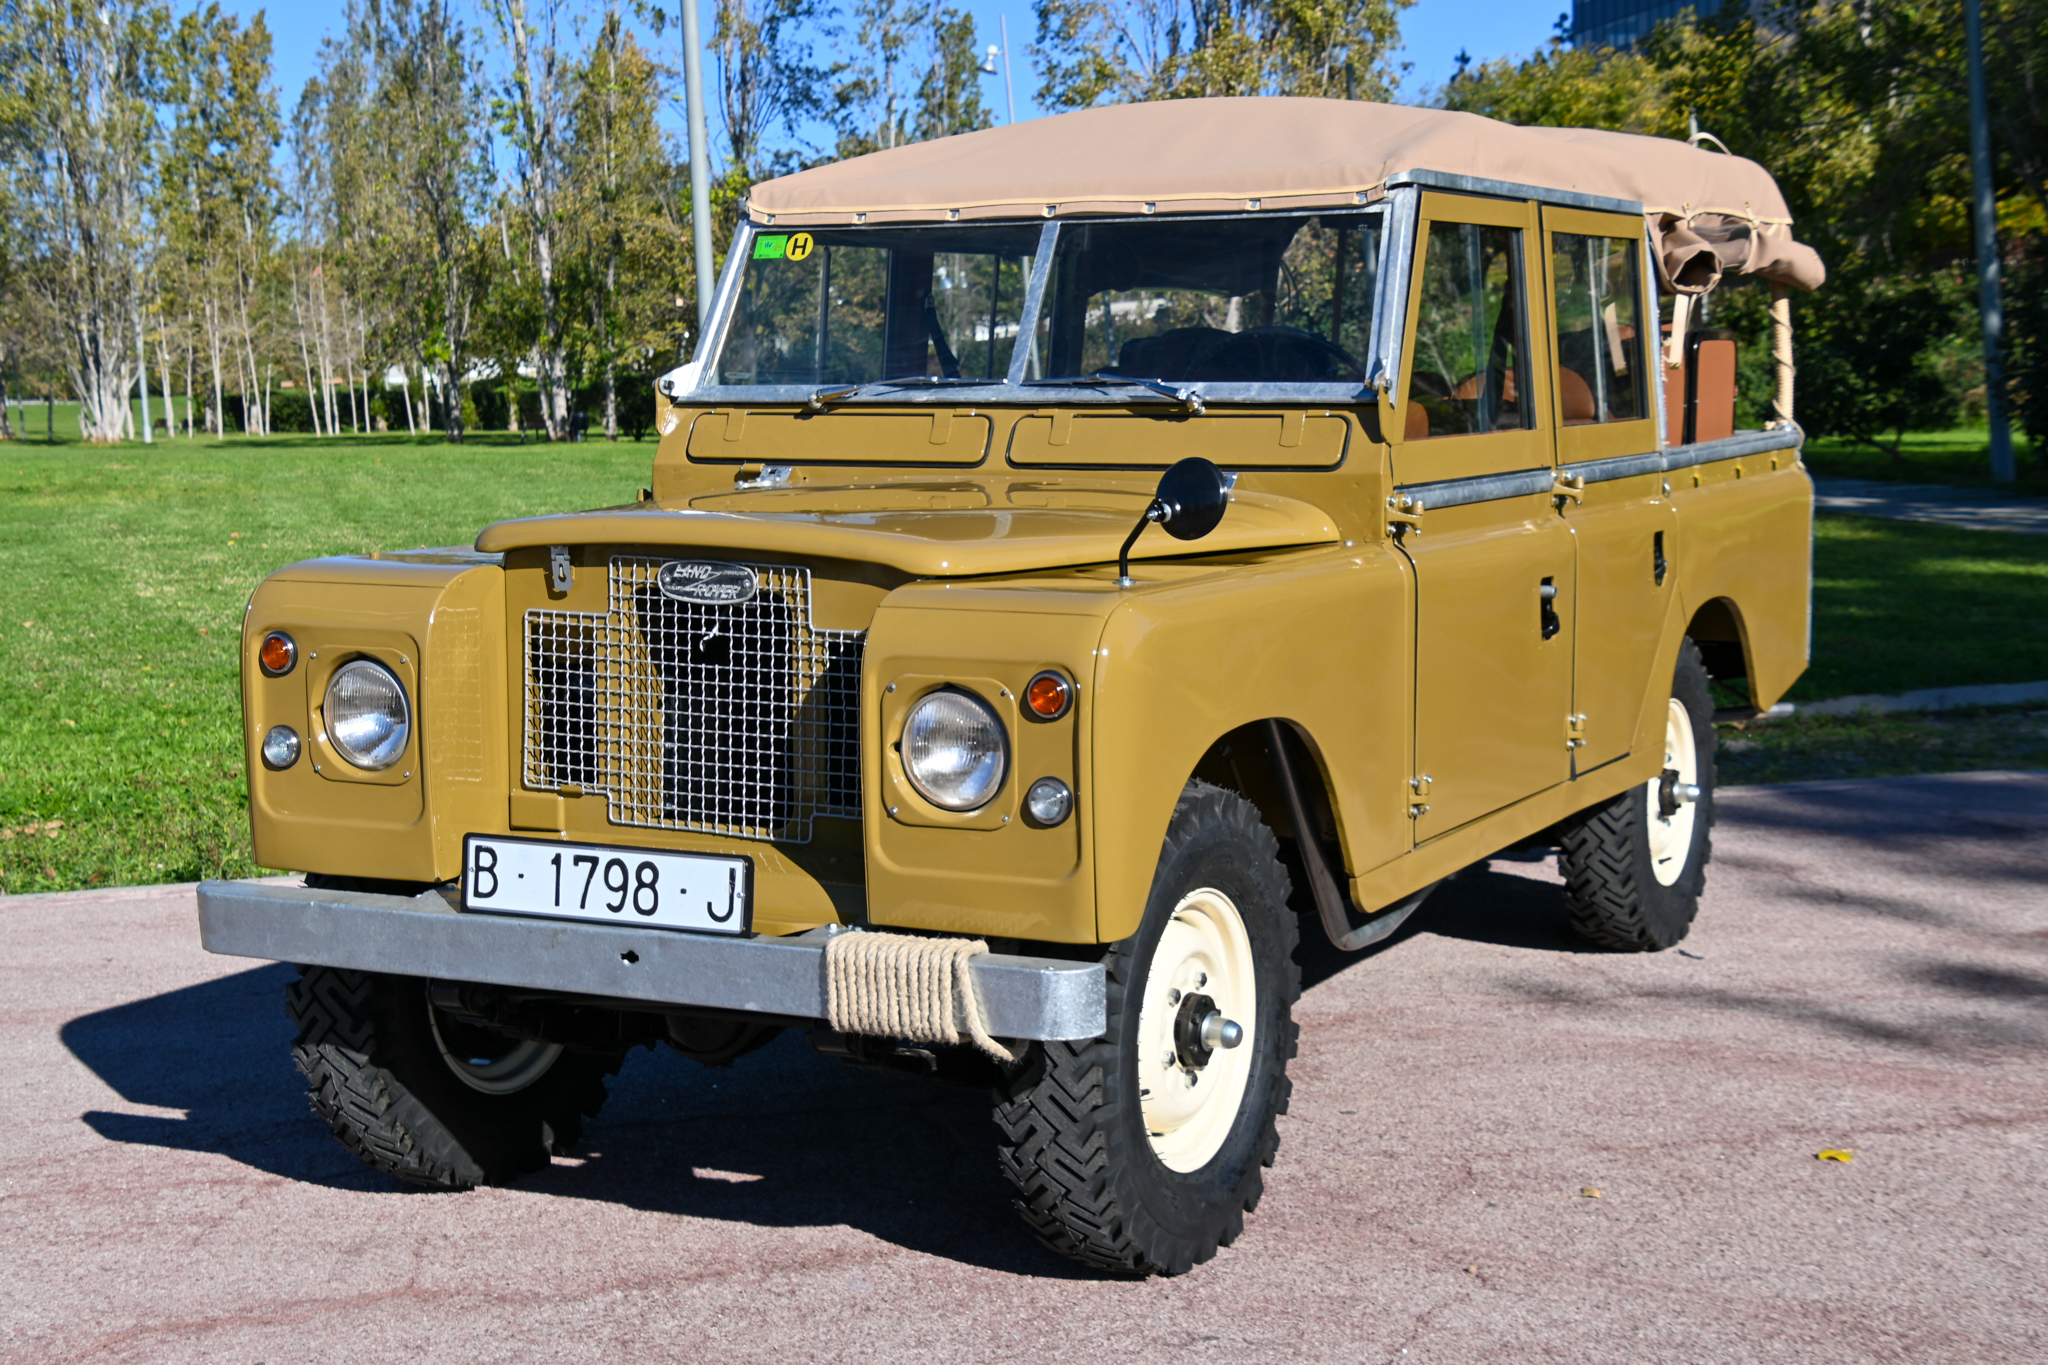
<point>521,1062</point>
<point>1671,835</point>
<point>1189,1111</point>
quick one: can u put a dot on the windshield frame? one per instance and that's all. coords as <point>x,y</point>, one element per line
<point>1398,209</point>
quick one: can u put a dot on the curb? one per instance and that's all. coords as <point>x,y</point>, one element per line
<point>1927,699</point>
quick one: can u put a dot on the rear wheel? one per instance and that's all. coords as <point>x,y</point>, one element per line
<point>1635,866</point>
<point>426,1096</point>
<point>1142,1151</point>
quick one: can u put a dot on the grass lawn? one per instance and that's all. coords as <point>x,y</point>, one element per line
<point>1961,456</point>
<point>1902,605</point>
<point>128,567</point>
<point>1812,748</point>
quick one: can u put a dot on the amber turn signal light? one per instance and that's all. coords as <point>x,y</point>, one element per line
<point>277,654</point>
<point>1048,696</point>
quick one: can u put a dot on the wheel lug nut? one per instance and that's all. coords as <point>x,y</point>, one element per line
<point>1173,997</point>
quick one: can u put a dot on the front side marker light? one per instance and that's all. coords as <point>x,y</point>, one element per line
<point>280,748</point>
<point>1050,801</point>
<point>1048,696</point>
<point>278,654</point>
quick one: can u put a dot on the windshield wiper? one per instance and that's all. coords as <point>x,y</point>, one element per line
<point>1189,399</point>
<point>823,398</point>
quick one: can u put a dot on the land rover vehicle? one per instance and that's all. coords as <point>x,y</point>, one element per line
<point>1076,552</point>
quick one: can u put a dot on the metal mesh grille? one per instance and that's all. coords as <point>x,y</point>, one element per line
<point>735,718</point>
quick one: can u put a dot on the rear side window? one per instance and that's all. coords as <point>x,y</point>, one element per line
<point>1600,375</point>
<point>1471,356</point>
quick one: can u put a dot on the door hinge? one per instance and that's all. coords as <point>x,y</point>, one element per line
<point>1575,731</point>
<point>1404,514</point>
<point>1418,793</point>
<point>1571,486</point>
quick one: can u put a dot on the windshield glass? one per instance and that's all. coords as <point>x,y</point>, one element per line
<point>837,306</point>
<point>1284,299</point>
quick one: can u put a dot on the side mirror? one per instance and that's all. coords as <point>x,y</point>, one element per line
<point>1189,504</point>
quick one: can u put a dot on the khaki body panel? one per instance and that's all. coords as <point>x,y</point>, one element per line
<point>992,871</point>
<point>1315,638</point>
<point>427,622</point>
<point>1748,528</point>
<point>1297,438</point>
<point>1492,693</point>
<point>938,435</point>
<point>1621,613</point>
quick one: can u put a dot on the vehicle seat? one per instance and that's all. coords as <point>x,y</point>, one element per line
<point>1167,355</point>
<point>1575,397</point>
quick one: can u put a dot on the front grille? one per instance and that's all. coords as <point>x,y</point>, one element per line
<point>734,718</point>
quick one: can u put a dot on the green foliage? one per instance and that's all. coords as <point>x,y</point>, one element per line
<point>1093,52</point>
<point>1872,361</point>
<point>2026,313</point>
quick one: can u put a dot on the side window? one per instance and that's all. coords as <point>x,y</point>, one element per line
<point>1599,330</point>
<point>1471,354</point>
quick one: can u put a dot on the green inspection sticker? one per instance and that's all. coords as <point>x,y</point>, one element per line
<point>771,248</point>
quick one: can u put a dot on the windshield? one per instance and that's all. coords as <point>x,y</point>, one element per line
<point>1215,301</point>
<point>1261,300</point>
<point>838,306</point>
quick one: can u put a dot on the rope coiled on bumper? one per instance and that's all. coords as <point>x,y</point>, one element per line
<point>902,986</point>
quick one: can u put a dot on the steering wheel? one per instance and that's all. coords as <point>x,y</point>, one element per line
<point>1275,354</point>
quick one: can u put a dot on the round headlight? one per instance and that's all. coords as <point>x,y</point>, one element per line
<point>367,720</point>
<point>953,751</point>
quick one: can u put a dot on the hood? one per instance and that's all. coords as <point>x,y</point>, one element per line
<point>946,535</point>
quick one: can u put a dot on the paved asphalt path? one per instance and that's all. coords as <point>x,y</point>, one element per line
<point>1870,973</point>
<point>1976,509</point>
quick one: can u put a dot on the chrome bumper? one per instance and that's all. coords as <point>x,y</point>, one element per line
<point>1021,997</point>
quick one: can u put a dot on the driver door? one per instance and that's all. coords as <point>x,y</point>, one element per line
<point>1493,561</point>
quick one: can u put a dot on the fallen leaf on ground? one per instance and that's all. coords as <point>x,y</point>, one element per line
<point>1589,1193</point>
<point>1833,1154</point>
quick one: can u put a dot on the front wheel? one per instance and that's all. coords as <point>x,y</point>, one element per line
<point>1142,1151</point>
<point>427,1097</point>
<point>1635,866</point>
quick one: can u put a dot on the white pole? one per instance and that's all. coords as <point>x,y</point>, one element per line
<point>700,162</point>
<point>142,355</point>
<point>1009,87</point>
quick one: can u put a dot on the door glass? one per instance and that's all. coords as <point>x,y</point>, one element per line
<point>1470,347</point>
<point>1599,336</point>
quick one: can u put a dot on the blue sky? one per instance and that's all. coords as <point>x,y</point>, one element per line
<point>1433,31</point>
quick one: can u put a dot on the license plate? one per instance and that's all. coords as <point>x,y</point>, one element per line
<point>694,891</point>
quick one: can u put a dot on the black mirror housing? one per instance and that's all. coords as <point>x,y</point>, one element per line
<point>1189,504</point>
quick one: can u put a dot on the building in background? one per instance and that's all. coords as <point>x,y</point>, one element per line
<point>1620,23</point>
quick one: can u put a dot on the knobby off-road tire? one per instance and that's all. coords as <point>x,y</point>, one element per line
<point>1105,1172</point>
<point>386,1071</point>
<point>1634,867</point>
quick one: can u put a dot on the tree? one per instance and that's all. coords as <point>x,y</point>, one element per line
<point>1113,51</point>
<point>531,115</point>
<point>621,182</point>
<point>77,117</point>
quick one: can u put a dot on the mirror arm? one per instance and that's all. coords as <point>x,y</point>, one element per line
<point>1158,511</point>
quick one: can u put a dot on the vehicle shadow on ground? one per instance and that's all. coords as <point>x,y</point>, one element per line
<point>1482,904</point>
<point>783,1138</point>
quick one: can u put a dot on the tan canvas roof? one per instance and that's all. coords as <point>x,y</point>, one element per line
<point>1209,155</point>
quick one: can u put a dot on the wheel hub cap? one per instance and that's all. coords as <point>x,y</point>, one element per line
<point>1673,797</point>
<point>1199,1006</point>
